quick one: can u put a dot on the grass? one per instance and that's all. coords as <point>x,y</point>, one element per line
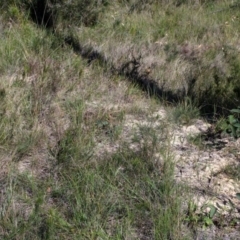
<point>185,112</point>
<point>123,195</point>
<point>232,171</point>
<point>57,182</point>
<point>197,141</point>
<point>194,61</point>
<point>81,155</point>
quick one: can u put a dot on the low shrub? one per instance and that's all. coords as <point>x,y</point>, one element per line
<point>50,13</point>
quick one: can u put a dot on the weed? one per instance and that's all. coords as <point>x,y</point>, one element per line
<point>232,124</point>
<point>196,217</point>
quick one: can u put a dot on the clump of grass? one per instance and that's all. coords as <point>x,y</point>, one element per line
<point>232,170</point>
<point>197,140</point>
<point>20,46</point>
<point>185,112</point>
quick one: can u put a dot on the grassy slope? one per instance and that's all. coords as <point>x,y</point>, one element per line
<point>58,181</point>
<point>68,168</point>
<point>189,50</point>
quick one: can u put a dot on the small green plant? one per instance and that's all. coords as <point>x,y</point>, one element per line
<point>192,218</point>
<point>232,124</point>
<point>205,219</point>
